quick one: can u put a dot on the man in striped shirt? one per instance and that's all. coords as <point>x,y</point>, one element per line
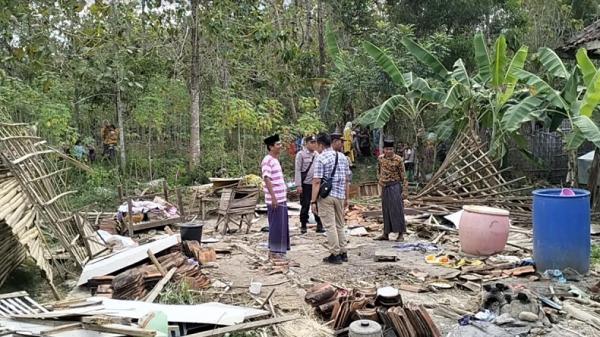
<point>276,198</point>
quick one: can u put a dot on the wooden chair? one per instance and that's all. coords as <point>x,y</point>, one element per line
<point>206,201</point>
<point>237,204</point>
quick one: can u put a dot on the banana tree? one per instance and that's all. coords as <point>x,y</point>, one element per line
<point>576,101</point>
<point>480,100</point>
<point>409,101</point>
<point>483,99</point>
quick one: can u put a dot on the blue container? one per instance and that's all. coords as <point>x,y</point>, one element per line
<point>561,230</point>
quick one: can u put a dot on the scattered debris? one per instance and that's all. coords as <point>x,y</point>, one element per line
<point>342,306</point>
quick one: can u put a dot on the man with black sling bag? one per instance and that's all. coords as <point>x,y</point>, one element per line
<point>330,194</point>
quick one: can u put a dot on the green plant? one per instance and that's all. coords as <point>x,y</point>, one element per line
<point>181,293</point>
<point>595,257</point>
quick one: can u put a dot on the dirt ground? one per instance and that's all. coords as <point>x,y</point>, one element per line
<point>240,268</point>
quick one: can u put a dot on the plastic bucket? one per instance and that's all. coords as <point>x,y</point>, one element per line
<point>561,230</point>
<point>191,232</point>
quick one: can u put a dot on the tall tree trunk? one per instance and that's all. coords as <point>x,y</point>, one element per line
<point>195,90</point>
<point>119,107</point>
<point>322,92</point>
<point>308,6</point>
<point>277,6</point>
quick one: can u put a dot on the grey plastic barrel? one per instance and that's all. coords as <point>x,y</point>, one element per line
<point>364,328</point>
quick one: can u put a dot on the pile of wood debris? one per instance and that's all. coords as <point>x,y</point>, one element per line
<point>469,175</point>
<point>340,306</point>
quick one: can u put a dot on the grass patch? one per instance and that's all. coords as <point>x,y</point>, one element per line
<point>181,293</point>
<point>595,260</point>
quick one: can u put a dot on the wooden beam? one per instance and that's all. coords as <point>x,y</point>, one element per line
<point>29,155</point>
<point>180,203</point>
<point>267,299</point>
<point>245,326</point>
<point>153,224</point>
<point>120,329</point>
<point>159,286</point>
<point>61,328</point>
<point>165,190</point>
<point>130,216</point>
<point>19,137</point>
<point>50,174</point>
<point>53,200</point>
<point>156,263</point>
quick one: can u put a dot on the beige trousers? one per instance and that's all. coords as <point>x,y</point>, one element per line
<point>331,212</point>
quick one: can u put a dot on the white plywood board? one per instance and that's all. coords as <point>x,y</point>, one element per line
<point>124,258</point>
<point>206,313</point>
<point>38,329</point>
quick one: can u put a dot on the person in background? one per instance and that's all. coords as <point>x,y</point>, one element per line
<point>78,150</point>
<point>104,133</point>
<point>375,142</point>
<point>409,160</point>
<point>303,176</point>
<point>356,142</point>
<point>66,148</point>
<point>275,191</point>
<point>364,143</point>
<point>348,150</point>
<point>392,179</point>
<point>331,164</point>
<point>91,153</point>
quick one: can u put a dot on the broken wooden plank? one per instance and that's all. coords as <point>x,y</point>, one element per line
<point>61,328</point>
<point>160,285</point>
<point>32,154</point>
<point>157,264</point>
<point>53,200</point>
<point>245,326</point>
<point>267,299</point>
<point>120,329</point>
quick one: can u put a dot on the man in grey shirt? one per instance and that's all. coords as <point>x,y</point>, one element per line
<point>303,177</point>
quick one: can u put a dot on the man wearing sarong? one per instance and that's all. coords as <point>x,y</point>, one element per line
<point>303,176</point>
<point>392,179</point>
<point>276,199</point>
<point>332,164</point>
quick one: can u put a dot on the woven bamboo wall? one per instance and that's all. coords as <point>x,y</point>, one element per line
<point>548,148</point>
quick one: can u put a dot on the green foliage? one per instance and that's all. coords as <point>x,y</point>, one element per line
<point>595,257</point>
<point>260,72</point>
<point>309,123</point>
<point>56,121</point>
<point>99,187</point>
<point>180,293</point>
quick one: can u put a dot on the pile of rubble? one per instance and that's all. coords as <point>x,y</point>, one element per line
<point>137,279</point>
<point>340,307</point>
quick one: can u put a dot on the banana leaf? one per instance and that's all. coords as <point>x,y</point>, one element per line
<point>425,57</point>
<point>519,113</point>
<point>586,66</point>
<point>482,57</point>
<point>499,61</point>
<point>552,64</point>
<point>511,78</point>
<point>385,62</point>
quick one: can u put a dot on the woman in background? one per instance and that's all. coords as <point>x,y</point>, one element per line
<point>348,149</point>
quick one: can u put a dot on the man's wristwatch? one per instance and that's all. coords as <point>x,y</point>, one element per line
<point>313,202</point>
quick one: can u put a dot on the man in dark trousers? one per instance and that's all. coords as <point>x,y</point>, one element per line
<point>392,179</point>
<point>304,171</point>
